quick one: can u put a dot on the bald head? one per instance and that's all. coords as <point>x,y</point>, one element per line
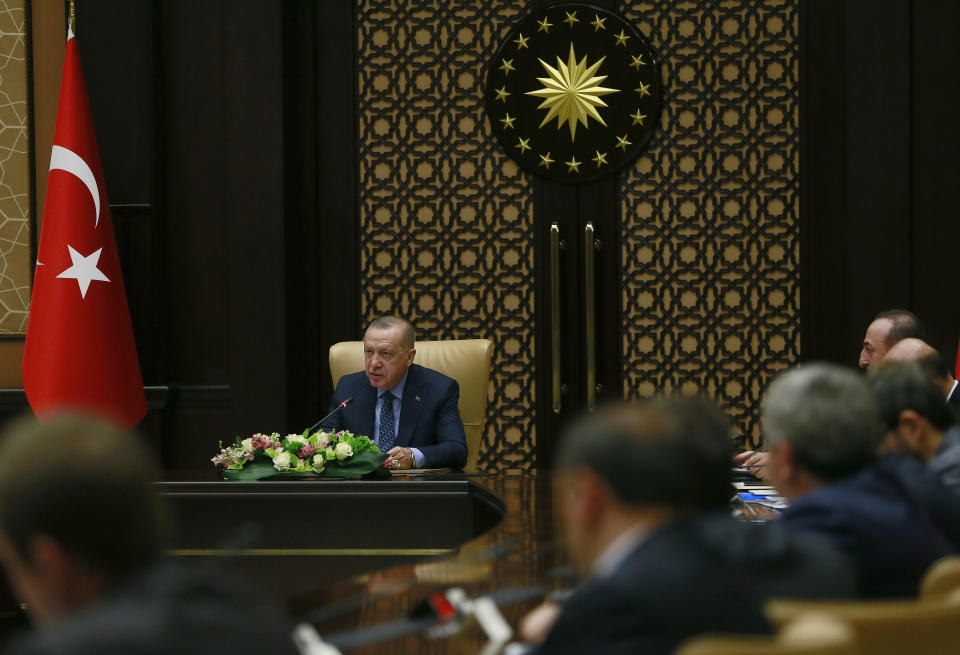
<point>926,356</point>
<point>909,350</point>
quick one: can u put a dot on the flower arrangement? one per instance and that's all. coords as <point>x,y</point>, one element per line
<point>323,454</point>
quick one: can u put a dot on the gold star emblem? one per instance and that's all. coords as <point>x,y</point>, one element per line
<point>573,166</point>
<point>544,25</point>
<point>502,94</point>
<point>637,62</point>
<point>571,92</point>
<point>598,23</point>
<point>545,160</point>
<point>507,66</point>
<point>644,89</point>
<point>524,145</point>
<point>638,118</point>
<point>508,121</point>
<point>621,38</point>
<point>622,142</point>
<point>600,159</point>
<point>521,41</point>
<point>571,18</point>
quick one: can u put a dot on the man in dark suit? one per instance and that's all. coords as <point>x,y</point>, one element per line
<point>410,411</point>
<point>888,328</point>
<point>889,515</point>
<point>918,421</point>
<point>81,533</point>
<point>634,485</point>
<point>933,364</point>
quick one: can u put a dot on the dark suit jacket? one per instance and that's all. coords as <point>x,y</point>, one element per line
<point>168,610</point>
<point>954,401</point>
<point>673,586</point>
<point>892,519</point>
<point>429,416</point>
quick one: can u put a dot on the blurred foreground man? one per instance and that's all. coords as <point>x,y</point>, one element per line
<point>888,514</point>
<point>643,493</point>
<point>917,420</point>
<point>81,530</point>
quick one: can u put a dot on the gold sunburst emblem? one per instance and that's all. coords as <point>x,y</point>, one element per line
<point>572,92</point>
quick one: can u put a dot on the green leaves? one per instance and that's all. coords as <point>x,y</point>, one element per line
<point>355,467</point>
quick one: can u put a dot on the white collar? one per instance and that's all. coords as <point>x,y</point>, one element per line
<point>618,550</point>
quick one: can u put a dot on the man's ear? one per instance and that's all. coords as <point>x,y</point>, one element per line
<point>782,464</point>
<point>912,428</point>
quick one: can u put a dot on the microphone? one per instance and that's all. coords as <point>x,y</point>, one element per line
<point>335,410</point>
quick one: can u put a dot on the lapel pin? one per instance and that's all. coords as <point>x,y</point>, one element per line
<point>418,398</point>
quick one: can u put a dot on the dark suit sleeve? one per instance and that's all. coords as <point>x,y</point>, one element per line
<point>450,449</point>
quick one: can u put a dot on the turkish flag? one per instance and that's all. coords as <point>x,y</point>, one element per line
<point>80,353</point>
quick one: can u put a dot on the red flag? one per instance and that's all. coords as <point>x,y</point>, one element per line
<point>956,369</point>
<point>80,352</point>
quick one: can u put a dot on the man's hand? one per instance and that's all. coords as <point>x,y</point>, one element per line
<point>755,462</point>
<point>399,458</point>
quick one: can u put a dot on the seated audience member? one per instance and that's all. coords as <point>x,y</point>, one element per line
<point>410,411</point>
<point>917,420</point>
<point>81,530</point>
<point>916,350</point>
<point>887,328</point>
<point>823,429</point>
<point>643,494</point>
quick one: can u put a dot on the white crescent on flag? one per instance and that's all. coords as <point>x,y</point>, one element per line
<point>69,161</point>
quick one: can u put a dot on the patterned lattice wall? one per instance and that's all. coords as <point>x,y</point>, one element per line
<point>710,233</point>
<point>14,171</point>
<point>445,216</point>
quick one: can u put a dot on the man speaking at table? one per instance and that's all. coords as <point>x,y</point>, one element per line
<point>409,410</point>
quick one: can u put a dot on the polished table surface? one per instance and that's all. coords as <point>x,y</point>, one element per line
<point>341,592</point>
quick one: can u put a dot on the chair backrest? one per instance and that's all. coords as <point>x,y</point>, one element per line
<point>942,577</point>
<point>465,360</point>
<point>888,627</point>
<point>808,634</point>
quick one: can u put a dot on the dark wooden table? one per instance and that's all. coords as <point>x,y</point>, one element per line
<point>355,554</point>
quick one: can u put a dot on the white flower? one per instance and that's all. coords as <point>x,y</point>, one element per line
<point>331,453</point>
<point>319,463</point>
<point>297,438</point>
<point>247,444</point>
<point>301,466</point>
<point>343,451</point>
<point>282,461</point>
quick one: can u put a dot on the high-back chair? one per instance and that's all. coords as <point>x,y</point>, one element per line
<point>465,360</point>
<point>808,634</point>
<point>888,627</point>
<point>941,578</point>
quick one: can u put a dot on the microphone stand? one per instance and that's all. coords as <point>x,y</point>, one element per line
<point>335,410</point>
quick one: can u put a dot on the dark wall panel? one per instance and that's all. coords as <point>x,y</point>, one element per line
<point>935,177</point>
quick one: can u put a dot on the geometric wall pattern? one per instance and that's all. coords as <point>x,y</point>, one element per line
<point>15,262</point>
<point>446,220</point>
<point>710,229</point>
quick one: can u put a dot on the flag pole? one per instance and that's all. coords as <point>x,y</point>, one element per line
<point>72,17</point>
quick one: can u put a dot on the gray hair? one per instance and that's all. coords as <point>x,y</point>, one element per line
<point>391,322</point>
<point>827,415</point>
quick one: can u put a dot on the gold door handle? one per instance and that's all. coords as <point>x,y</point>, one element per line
<point>555,313</point>
<point>590,313</point>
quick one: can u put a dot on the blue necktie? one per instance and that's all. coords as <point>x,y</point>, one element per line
<point>386,437</point>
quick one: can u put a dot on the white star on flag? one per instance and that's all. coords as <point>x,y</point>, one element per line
<point>84,269</point>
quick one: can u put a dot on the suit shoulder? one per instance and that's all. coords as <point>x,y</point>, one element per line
<point>433,377</point>
<point>352,379</point>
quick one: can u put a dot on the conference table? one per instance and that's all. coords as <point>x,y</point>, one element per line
<point>364,555</point>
